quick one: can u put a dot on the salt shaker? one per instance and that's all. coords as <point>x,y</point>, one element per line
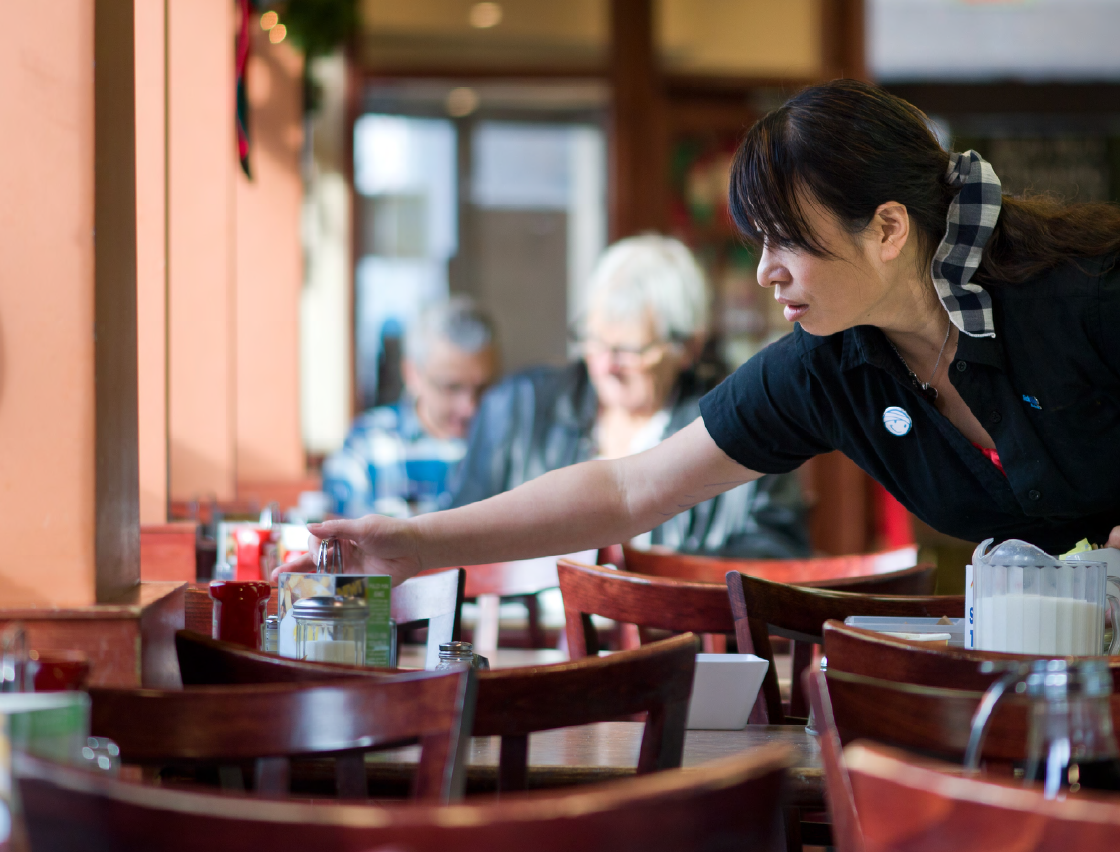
<point>455,655</point>
<point>270,635</point>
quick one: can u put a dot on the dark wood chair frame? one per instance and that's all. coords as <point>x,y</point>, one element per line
<point>657,602</point>
<point>271,723</point>
<point>686,566</point>
<point>512,703</point>
<point>726,804</point>
<point>762,608</point>
<point>864,652</point>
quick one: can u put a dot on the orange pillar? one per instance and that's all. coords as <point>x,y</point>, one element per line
<point>269,271</point>
<point>68,494</point>
<point>200,210</point>
<point>151,259</point>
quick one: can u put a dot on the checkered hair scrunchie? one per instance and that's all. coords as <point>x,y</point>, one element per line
<point>972,217</point>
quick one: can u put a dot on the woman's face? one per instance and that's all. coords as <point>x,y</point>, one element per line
<point>629,366</point>
<point>830,294</point>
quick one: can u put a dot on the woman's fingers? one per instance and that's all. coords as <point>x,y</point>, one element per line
<point>304,564</point>
<point>344,528</point>
<point>1114,538</point>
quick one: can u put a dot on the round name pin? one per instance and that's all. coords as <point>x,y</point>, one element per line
<point>896,420</point>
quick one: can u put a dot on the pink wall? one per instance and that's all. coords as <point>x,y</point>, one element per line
<point>201,296</point>
<point>46,304</point>
<point>151,261</point>
<point>270,270</point>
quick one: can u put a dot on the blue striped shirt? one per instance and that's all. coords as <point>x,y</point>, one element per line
<point>390,465</point>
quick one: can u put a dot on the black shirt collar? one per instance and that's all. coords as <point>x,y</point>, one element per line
<point>866,344</point>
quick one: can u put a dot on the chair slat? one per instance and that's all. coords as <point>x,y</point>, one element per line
<point>224,725</point>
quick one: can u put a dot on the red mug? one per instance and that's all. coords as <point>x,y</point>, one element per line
<point>55,671</point>
<point>239,610</point>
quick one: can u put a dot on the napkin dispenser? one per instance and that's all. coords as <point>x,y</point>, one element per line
<point>724,689</point>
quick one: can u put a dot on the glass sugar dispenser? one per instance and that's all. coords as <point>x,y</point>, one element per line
<point>331,629</point>
<point>1071,744</point>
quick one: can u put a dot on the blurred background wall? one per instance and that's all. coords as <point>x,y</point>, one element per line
<point>434,147</point>
<point>494,149</point>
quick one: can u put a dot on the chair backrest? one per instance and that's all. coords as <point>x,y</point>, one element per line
<point>659,602</point>
<point>879,805</point>
<point>925,719</point>
<point>508,579</point>
<point>488,584</point>
<point>655,679</point>
<point>664,563</point>
<point>436,598</point>
<point>903,805</point>
<point>269,724</point>
<point>846,836</point>
<point>722,805</point>
<point>762,608</point>
<point>864,652</point>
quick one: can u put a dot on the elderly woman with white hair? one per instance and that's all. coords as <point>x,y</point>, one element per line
<point>634,386</point>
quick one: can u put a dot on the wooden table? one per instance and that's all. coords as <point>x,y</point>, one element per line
<point>412,657</point>
<point>609,750</point>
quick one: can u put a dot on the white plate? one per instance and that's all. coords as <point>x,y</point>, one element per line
<point>724,690</point>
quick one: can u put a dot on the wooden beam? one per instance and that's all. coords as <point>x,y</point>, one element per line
<point>637,137</point>
<point>117,541</point>
<point>843,39</point>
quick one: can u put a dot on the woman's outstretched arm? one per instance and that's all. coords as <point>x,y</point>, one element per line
<point>585,506</point>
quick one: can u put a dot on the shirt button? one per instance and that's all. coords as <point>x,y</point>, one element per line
<point>962,366</point>
<point>1034,494</point>
<point>995,417</point>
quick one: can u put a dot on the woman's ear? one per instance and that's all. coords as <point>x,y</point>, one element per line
<point>891,230</point>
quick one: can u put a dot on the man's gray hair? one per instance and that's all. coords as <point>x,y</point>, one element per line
<point>653,273</point>
<point>457,320</point>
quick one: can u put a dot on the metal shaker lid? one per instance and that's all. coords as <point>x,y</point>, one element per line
<point>327,606</point>
<point>456,651</point>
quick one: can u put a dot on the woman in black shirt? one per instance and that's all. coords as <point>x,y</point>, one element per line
<point>960,346</point>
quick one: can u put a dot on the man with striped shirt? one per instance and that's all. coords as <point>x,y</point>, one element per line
<point>397,458</point>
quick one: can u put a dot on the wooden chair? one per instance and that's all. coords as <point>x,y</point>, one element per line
<point>863,652</point>
<point>524,579</point>
<point>657,602</point>
<point>906,806</point>
<point>269,724</point>
<point>863,821</point>
<point>762,608</point>
<point>717,807</point>
<point>665,563</point>
<point>512,703</point>
<point>436,599</point>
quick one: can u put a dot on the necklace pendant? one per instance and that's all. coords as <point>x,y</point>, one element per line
<point>928,391</point>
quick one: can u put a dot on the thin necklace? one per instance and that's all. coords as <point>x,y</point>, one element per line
<point>925,388</point>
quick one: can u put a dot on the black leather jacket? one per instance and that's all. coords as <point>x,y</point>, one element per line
<point>543,419</point>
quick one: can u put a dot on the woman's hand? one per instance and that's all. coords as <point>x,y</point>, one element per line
<point>1114,538</point>
<point>375,544</point>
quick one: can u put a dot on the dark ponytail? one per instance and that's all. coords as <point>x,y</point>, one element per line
<point>852,147</point>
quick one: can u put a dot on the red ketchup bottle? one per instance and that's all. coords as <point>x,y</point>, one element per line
<point>239,610</point>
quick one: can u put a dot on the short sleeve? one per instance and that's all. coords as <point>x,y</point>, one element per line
<point>766,415</point>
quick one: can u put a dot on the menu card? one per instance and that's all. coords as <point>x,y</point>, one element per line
<point>375,589</point>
